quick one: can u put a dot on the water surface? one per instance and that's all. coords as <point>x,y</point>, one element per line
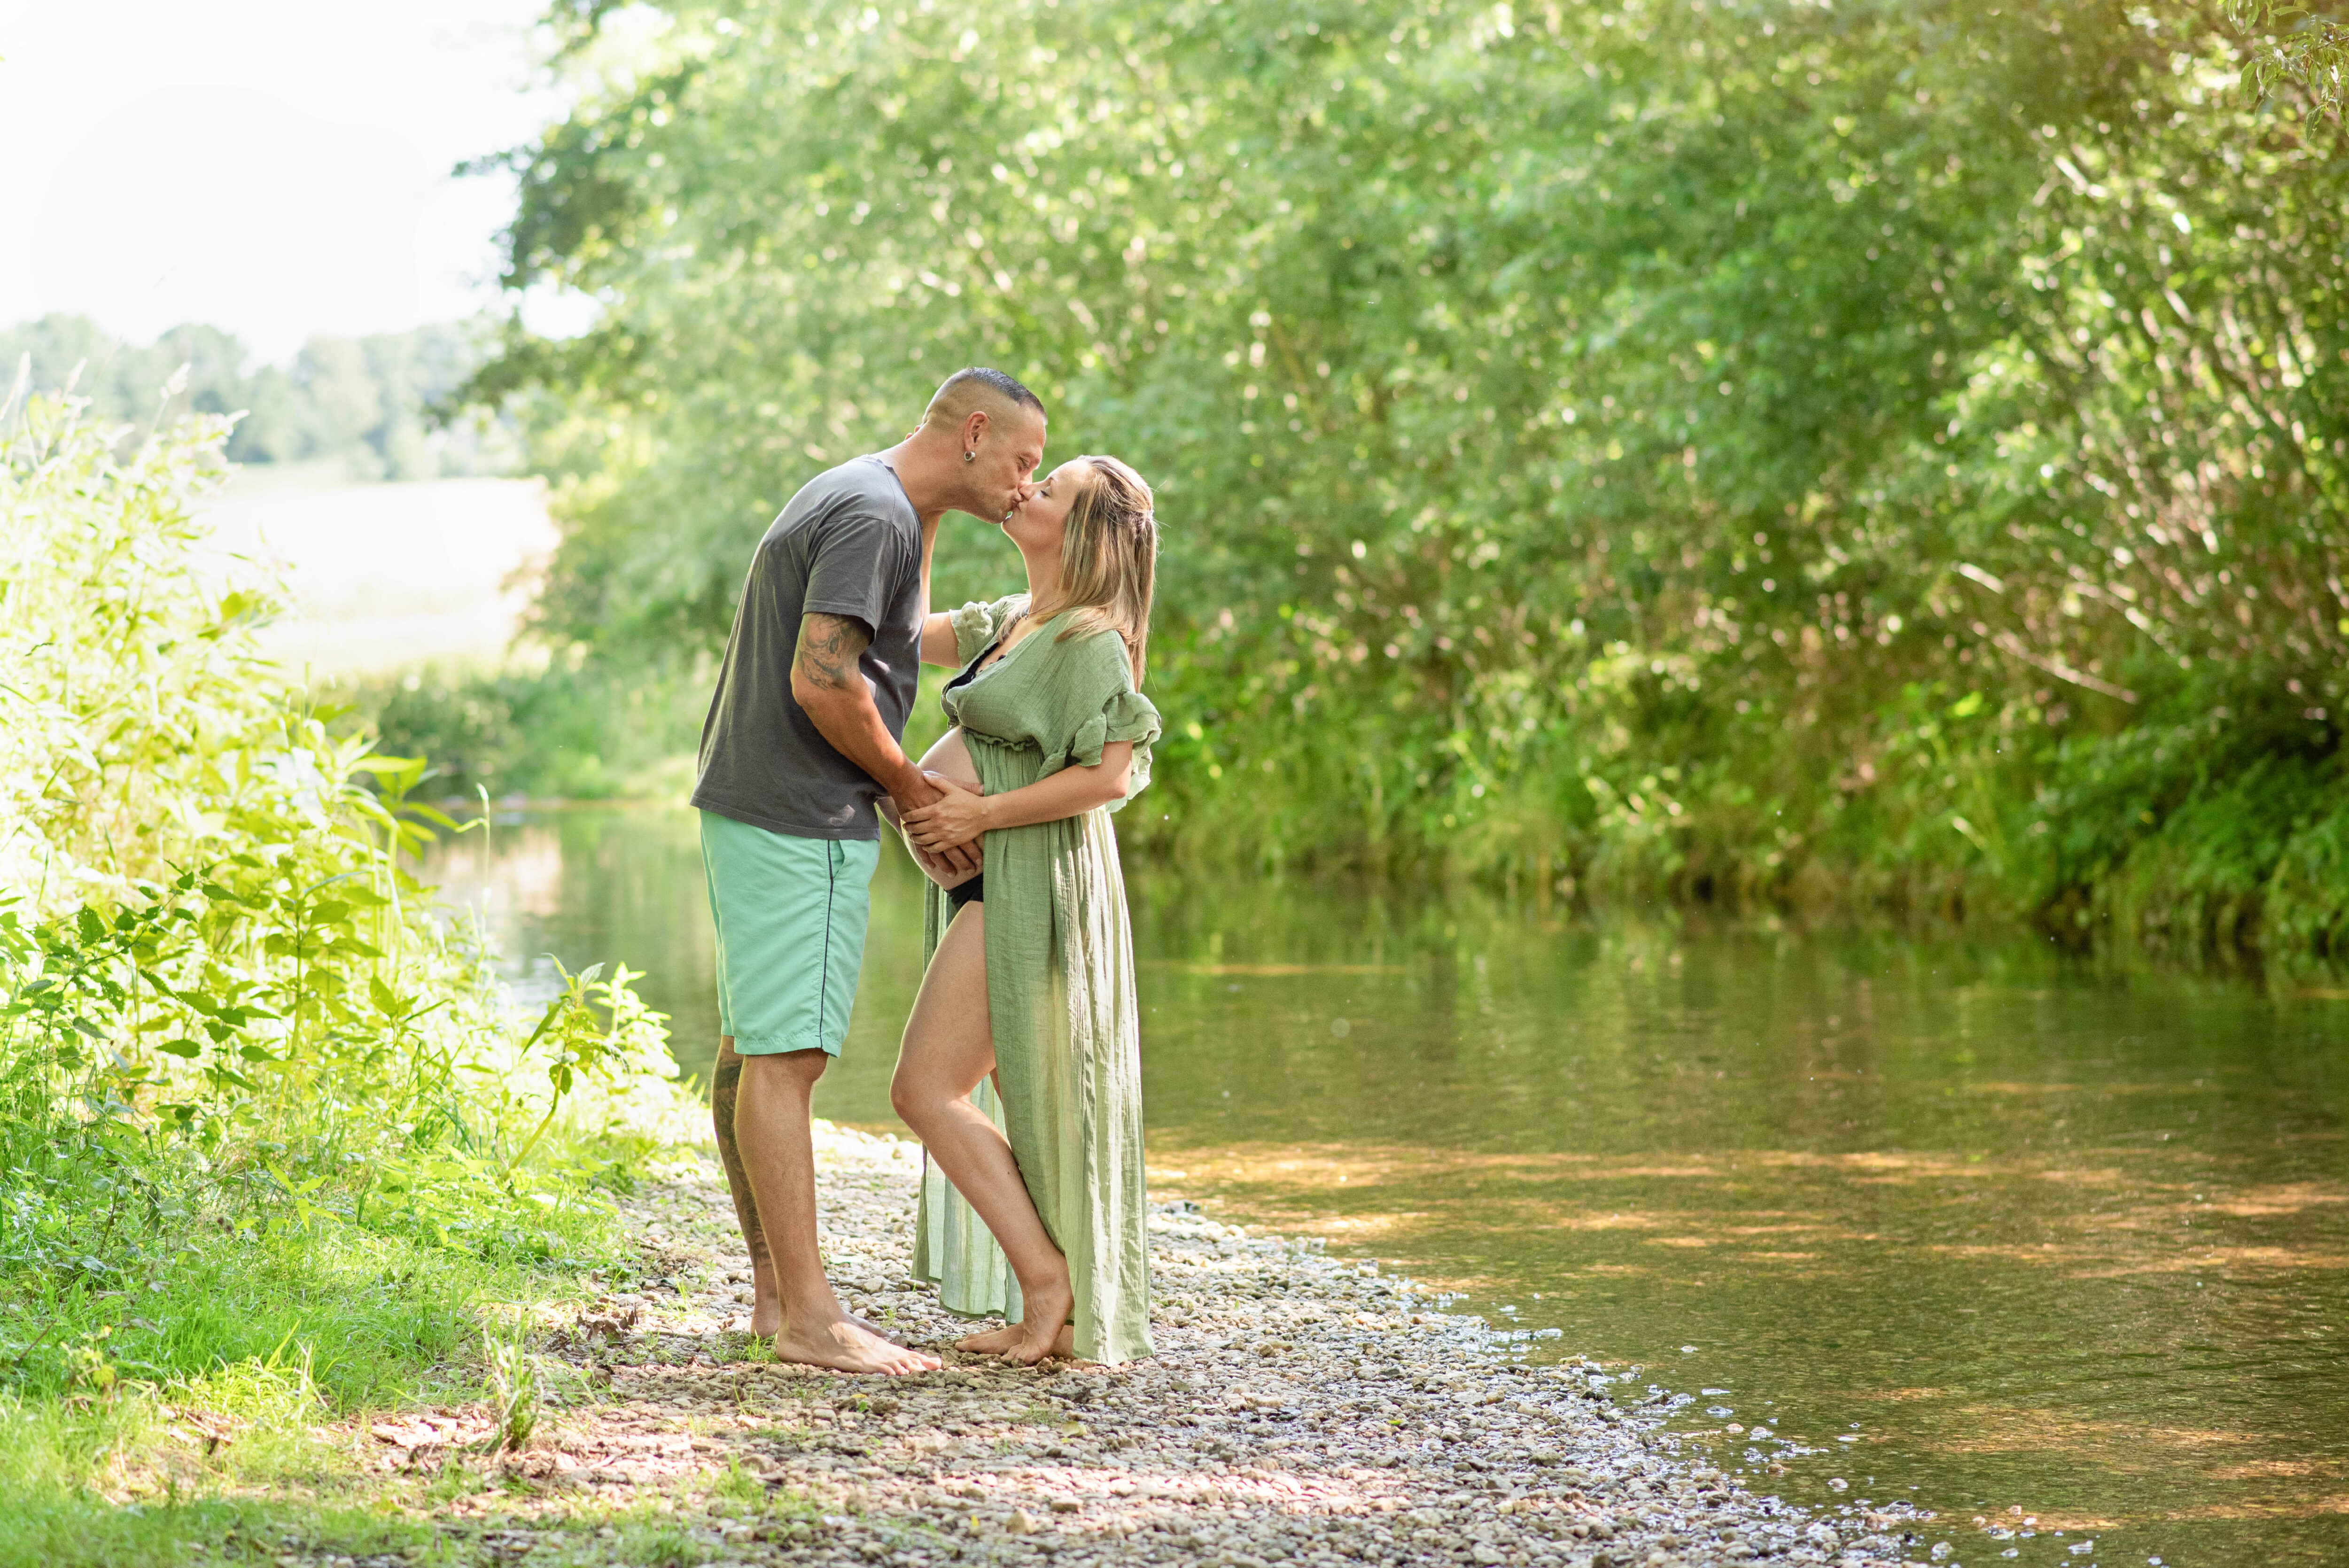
<point>2057,1247</point>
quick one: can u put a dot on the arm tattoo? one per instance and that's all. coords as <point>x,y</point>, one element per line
<point>829,648</point>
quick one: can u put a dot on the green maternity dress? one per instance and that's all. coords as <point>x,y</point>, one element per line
<point>1060,986</point>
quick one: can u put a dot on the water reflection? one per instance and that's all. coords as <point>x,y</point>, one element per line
<point>1972,1224</point>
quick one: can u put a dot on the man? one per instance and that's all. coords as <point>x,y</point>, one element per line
<point>803,738</point>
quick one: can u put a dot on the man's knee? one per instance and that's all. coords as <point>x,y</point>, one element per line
<point>793,1069</point>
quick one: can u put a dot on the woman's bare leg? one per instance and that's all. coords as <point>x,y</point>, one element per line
<point>948,1048</point>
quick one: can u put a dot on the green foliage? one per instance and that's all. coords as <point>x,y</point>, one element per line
<point>269,1135</point>
<point>1755,449</point>
<point>2306,51</point>
<point>368,403</point>
<point>591,730</point>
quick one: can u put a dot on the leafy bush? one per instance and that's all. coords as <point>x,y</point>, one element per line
<point>266,1123</point>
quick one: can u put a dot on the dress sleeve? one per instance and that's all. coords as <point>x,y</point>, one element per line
<point>1102,706</point>
<point>976,625</point>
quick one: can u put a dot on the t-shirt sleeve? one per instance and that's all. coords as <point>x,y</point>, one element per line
<point>851,566</point>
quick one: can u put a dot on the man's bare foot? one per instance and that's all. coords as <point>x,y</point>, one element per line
<point>767,1310</point>
<point>766,1321</point>
<point>766,1301</point>
<point>843,1347</point>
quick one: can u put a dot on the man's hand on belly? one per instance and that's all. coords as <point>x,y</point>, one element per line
<point>960,859</point>
<point>832,690</point>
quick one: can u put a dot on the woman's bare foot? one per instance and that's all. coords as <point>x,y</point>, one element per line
<point>843,1347</point>
<point>1062,1349</point>
<point>994,1342</point>
<point>1011,1342</point>
<point>1045,1330</point>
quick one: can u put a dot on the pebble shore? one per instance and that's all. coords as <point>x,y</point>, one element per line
<point>1301,1409</point>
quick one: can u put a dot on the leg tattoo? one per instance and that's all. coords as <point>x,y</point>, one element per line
<point>725,1086</point>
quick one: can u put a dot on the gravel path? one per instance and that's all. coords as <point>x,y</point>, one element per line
<point>1301,1409</point>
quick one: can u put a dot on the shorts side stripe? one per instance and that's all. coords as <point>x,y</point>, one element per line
<point>832,858</point>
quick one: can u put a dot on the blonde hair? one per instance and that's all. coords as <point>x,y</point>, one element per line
<point>1109,559</point>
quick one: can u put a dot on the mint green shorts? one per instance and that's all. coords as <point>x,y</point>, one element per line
<point>790,915</point>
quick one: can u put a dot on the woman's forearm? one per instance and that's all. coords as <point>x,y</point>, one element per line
<point>1071,792</point>
<point>961,814</point>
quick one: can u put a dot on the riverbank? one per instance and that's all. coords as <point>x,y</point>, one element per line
<point>1301,1408</point>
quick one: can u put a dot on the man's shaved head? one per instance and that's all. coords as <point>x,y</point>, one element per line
<point>978,390</point>
<point>987,432</point>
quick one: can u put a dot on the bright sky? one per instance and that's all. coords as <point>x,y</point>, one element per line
<point>278,168</point>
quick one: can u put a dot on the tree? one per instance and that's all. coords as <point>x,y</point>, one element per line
<point>371,402</point>
<point>1710,443</point>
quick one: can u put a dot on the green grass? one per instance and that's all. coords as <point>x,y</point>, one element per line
<point>356,1328</point>
<point>218,1394</point>
<point>670,1529</point>
<point>71,1530</point>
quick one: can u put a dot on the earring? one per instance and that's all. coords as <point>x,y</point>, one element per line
<point>972,456</point>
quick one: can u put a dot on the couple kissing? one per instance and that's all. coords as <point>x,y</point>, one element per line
<point>1021,1066</point>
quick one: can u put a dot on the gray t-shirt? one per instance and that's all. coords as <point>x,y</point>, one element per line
<point>848,544</point>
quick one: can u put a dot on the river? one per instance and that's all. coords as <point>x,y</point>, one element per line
<point>2056,1245</point>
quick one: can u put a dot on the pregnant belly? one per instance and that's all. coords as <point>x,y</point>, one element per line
<point>977,758</point>
<point>950,759</point>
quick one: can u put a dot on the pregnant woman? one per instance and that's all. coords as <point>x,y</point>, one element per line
<point>1021,1066</point>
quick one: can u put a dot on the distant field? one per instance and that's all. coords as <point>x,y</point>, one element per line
<point>390,577</point>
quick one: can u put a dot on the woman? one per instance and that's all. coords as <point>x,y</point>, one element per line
<point>1029,991</point>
